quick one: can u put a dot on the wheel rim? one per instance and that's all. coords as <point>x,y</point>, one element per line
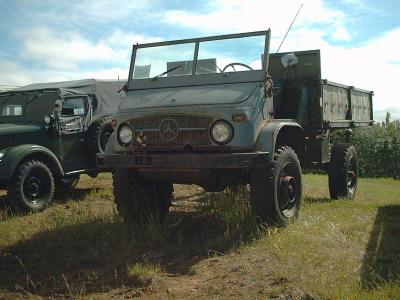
<point>288,190</point>
<point>352,176</point>
<point>33,188</point>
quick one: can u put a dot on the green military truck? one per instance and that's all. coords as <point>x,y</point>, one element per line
<point>220,111</point>
<point>50,134</point>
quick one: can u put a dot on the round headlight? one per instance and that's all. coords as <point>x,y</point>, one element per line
<point>125,134</point>
<point>221,132</point>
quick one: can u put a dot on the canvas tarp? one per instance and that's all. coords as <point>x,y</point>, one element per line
<point>107,97</point>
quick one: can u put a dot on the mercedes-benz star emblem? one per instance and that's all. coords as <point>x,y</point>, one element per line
<point>168,130</point>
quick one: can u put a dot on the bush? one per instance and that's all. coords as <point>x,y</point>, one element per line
<point>378,149</point>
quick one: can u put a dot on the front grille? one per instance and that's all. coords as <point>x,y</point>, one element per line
<point>191,130</point>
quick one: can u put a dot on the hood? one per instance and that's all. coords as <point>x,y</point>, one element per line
<point>183,96</point>
<point>10,129</point>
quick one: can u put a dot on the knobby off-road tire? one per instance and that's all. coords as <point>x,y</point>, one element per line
<point>32,187</point>
<point>343,171</point>
<point>276,191</point>
<point>139,200</point>
<point>98,136</point>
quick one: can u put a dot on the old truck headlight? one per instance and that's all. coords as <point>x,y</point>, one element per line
<point>1,155</point>
<point>221,132</point>
<point>125,134</point>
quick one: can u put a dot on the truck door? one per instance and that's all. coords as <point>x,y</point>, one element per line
<point>74,119</point>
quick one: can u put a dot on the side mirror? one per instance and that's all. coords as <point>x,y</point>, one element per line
<point>289,60</point>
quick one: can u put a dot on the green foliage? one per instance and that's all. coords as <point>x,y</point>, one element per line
<point>378,149</point>
<point>143,273</point>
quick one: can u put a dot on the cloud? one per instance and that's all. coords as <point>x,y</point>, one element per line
<point>48,56</point>
<point>66,51</point>
<point>237,16</point>
<point>341,34</point>
<point>124,40</point>
<point>87,39</point>
<point>374,65</point>
<point>84,12</point>
<point>71,50</point>
<point>13,74</point>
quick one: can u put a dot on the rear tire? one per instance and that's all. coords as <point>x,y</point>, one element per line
<point>343,171</point>
<point>276,191</point>
<point>32,187</point>
<point>139,200</point>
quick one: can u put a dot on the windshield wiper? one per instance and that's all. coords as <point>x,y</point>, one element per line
<point>166,72</point>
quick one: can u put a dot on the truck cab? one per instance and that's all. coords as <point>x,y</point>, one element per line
<point>49,135</point>
<point>201,111</point>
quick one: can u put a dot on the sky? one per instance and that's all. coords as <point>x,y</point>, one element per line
<point>50,40</point>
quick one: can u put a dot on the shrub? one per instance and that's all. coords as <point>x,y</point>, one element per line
<point>378,149</point>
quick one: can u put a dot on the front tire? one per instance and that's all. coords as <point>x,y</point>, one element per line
<point>276,191</point>
<point>343,171</point>
<point>140,200</point>
<point>32,187</point>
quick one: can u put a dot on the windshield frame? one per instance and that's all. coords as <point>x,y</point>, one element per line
<point>200,79</point>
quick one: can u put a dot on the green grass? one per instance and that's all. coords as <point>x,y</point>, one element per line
<point>143,273</point>
<point>210,246</point>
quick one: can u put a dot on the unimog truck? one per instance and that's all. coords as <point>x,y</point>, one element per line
<point>222,111</point>
<point>50,134</point>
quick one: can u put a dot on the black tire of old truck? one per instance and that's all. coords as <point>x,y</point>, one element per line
<point>32,187</point>
<point>98,136</point>
<point>141,201</point>
<point>343,171</point>
<point>276,191</point>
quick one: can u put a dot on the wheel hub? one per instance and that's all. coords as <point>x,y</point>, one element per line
<point>288,190</point>
<point>33,185</point>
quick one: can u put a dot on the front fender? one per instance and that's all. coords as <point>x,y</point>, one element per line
<point>268,135</point>
<point>13,156</point>
<point>110,147</point>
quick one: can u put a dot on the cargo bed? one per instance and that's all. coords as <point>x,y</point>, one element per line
<point>317,104</point>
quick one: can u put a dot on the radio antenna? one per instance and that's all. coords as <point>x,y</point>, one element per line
<point>290,27</point>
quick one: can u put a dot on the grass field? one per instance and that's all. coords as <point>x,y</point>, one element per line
<point>210,247</point>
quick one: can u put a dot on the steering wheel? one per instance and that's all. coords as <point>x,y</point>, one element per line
<point>236,64</point>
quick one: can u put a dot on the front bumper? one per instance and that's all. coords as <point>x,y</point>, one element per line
<point>184,161</point>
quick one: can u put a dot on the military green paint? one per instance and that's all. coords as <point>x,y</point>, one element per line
<point>27,134</point>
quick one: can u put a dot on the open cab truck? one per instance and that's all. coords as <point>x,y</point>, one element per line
<point>220,111</point>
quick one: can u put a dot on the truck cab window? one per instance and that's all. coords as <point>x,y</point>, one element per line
<point>12,110</point>
<point>75,106</point>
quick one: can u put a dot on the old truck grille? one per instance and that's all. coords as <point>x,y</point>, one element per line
<point>173,130</point>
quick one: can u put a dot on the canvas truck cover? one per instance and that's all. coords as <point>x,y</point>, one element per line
<point>107,97</point>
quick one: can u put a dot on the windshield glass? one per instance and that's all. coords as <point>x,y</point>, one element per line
<point>214,56</point>
<point>153,61</point>
<point>231,55</point>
